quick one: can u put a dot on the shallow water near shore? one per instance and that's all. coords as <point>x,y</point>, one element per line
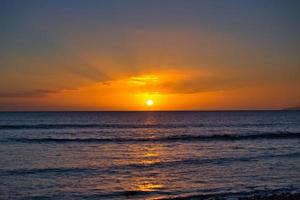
<point>148,155</point>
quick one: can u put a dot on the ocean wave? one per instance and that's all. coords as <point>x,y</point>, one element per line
<point>187,138</point>
<point>97,126</point>
<point>161,194</point>
<point>31,171</point>
<point>122,194</point>
<point>132,126</point>
<point>271,194</point>
<point>209,161</point>
<point>141,166</point>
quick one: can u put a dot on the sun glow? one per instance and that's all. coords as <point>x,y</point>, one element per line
<point>149,102</point>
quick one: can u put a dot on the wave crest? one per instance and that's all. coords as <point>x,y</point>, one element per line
<point>187,138</point>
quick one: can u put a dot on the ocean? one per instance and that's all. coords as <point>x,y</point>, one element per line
<point>148,155</point>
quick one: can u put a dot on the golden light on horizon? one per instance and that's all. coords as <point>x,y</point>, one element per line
<point>164,90</point>
<point>149,102</point>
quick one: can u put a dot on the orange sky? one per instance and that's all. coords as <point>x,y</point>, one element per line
<point>165,90</point>
<point>183,56</point>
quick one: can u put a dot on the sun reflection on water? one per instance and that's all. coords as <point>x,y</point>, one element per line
<point>148,186</point>
<point>150,179</point>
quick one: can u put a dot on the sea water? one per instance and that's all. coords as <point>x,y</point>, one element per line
<point>148,155</point>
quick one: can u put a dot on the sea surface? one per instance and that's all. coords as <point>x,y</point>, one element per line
<point>148,155</point>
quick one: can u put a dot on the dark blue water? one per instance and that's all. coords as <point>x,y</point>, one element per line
<point>148,155</point>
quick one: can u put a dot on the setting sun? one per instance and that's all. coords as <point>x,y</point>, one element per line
<point>149,102</point>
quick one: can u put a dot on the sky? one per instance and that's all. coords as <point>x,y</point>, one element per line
<point>117,54</point>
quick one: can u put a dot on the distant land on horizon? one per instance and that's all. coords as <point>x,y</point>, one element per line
<point>292,108</point>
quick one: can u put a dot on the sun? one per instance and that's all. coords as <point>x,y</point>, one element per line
<point>149,102</point>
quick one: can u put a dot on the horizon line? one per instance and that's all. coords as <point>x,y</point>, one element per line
<point>228,110</point>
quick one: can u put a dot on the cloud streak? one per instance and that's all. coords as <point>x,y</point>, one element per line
<point>29,94</point>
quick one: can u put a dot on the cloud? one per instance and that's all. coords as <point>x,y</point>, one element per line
<point>183,82</point>
<point>201,84</point>
<point>42,65</point>
<point>28,94</point>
